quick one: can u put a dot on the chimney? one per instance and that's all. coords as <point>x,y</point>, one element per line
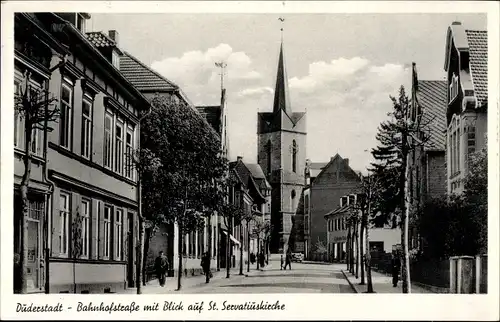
<point>346,162</point>
<point>113,34</point>
<point>239,158</point>
<point>456,23</point>
<point>331,158</point>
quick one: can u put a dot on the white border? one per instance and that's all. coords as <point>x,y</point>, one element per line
<point>312,306</point>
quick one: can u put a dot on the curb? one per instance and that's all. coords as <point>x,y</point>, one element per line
<point>349,281</point>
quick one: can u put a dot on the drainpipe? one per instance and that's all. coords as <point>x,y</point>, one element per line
<point>49,195</point>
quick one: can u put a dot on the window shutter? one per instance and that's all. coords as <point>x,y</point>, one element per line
<point>125,235</point>
<point>56,225</point>
<point>100,240</point>
<point>94,230</point>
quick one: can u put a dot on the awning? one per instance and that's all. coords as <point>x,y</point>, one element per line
<point>234,240</point>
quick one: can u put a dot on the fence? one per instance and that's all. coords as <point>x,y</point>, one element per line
<point>461,274</point>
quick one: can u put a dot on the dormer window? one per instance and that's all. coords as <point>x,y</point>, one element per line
<point>453,87</point>
<point>80,22</point>
<point>115,59</point>
<point>352,200</point>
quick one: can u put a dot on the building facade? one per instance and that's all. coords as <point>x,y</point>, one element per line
<point>89,170</point>
<point>336,179</point>
<point>466,66</point>
<point>281,155</point>
<point>427,162</point>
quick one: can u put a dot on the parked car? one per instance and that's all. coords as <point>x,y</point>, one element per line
<point>297,257</point>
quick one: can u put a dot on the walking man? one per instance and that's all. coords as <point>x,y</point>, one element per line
<point>396,266</point>
<point>161,267</point>
<point>205,265</point>
<point>288,260</point>
<point>282,262</point>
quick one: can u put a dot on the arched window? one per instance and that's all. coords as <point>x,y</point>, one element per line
<point>294,156</point>
<point>292,200</point>
<point>269,148</point>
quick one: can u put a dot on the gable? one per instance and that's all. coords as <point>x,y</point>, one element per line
<point>336,172</point>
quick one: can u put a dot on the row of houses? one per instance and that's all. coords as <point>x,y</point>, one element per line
<point>82,167</point>
<point>453,114</point>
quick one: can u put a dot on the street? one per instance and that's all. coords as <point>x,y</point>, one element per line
<point>303,278</point>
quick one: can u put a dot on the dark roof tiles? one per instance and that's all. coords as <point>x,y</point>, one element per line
<point>478,61</point>
<point>99,39</point>
<point>432,98</point>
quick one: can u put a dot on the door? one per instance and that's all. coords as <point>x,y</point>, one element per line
<point>130,250</point>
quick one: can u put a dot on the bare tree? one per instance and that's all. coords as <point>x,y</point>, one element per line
<point>37,108</point>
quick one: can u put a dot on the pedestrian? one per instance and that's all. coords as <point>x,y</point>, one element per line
<point>161,267</point>
<point>288,260</point>
<point>396,266</point>
<point>262,259</point>
<point>205,265</point>
<point>282,262</point>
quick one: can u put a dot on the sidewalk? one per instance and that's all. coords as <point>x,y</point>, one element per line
<point>381,284</point>
<point>153,287</point>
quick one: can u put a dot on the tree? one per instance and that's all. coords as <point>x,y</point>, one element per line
<point>76,241</point>
<point>188,153</point>
<point>36,107</point>
<point>231,212</point>
<point>476,194</point>
<point>321,248</point>
<point>397,137</point>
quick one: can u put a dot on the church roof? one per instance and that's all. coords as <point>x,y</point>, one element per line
<point>281,94</point>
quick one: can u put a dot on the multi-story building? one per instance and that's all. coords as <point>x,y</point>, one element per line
<point>151,83</point>
<point>427,162</point>
<point>90,175</point>
<point>466,66</point>
<point>335,179</point>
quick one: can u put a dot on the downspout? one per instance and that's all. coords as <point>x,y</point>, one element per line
<point>49,195</point>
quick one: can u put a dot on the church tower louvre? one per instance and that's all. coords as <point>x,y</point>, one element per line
<point>282,156</point>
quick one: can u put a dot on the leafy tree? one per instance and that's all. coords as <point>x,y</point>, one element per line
<point>188,154</point>
<point>36,107</point>
<point>476,194</point>
<point>397,137</point>
<point>76,241</point>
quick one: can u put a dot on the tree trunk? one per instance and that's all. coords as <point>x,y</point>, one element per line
<point>209,237</point>
<point>179,251</point>
<point>241,249</point>
<point>348,244</point>
<point>23,257</point>
<point>248,246</point>
<point>228,250</point>
<point>258,256</point>
<point>361,252</point>
<point>368,256</point>
<point>356,236</point>
<point>404,185</point>
<point>140,257</point>
<point>147,239</point>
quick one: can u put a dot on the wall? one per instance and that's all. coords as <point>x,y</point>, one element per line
<point>389,236</point>
<point>436,174</point>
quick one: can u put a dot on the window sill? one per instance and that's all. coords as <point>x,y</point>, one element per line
<point>35,157</point>
<point>454,175</point>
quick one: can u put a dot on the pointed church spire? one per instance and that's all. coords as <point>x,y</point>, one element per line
<point>281,95</point>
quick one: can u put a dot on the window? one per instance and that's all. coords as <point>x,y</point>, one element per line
<point>108,141</point>
<point>65,114</point>
<point>306,202</point>
<point>471,139</point>
<point>115,59</point>
<point>118,234</point>
<point>35,139</point>
<point>16,115</point>
<point>454,144</point>
<point>107,230</point>
<point>64,206</point>
<point>129,141</point>
<point>306,223</point>
<point>80,22</point>
<point>292,200</point>
<point>119,146</point>
<point>86,127</point>
<point>85,228</point>
<point>453,87</point>
<point>352,199</point>
<point>294,156</point>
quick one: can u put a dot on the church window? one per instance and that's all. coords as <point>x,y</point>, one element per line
<point>294,156</point>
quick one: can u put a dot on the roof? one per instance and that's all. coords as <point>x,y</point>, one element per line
<point>432,98</point>
<point>245,175</point>
<point>143,77</point>
<point>281,94</point>
<point>99,39</point>
<point>478,62</point>
<point>213,116</point>
<point>338,210</point>
<point>258,175</point>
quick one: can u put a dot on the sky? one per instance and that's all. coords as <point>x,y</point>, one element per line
<point>342,68</point>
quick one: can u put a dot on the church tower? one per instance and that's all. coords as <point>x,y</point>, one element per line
<point>282,156</point>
